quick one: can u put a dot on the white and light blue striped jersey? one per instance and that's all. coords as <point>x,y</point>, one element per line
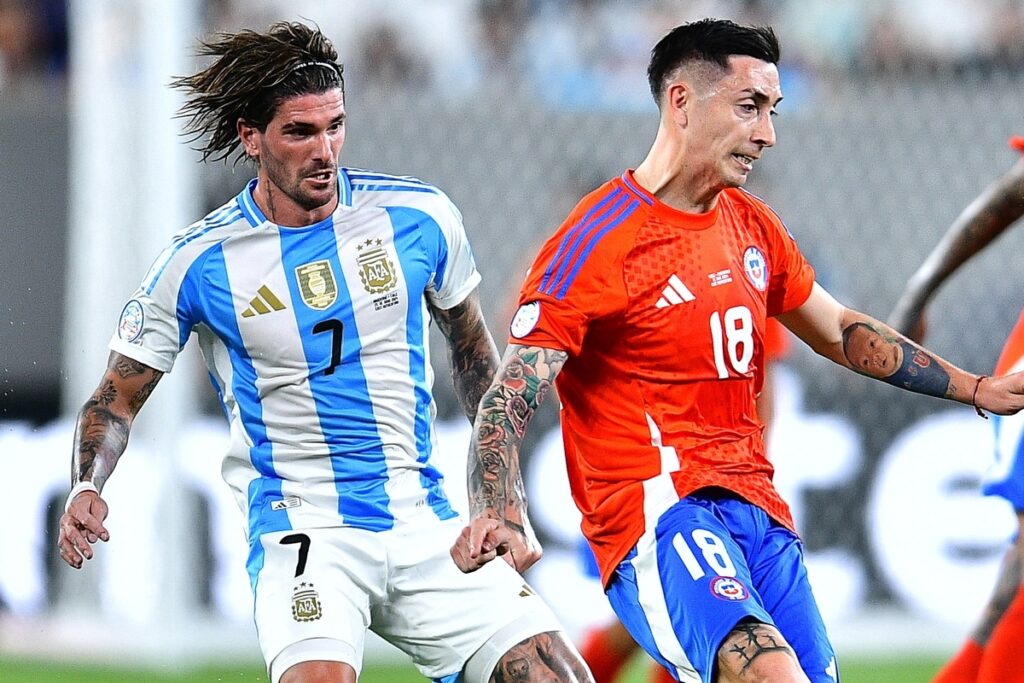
<point>316,340</point>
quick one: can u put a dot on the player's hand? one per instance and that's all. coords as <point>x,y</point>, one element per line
<point>1001,395</point>
<point>82,526</point>
<point>909,319</point>
<point>487,538</point>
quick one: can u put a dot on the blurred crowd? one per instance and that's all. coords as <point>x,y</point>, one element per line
<point>575,53</point>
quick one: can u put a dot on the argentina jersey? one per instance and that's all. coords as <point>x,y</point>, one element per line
<point>316,340</point>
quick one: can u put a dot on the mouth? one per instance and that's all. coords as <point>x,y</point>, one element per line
<point>747,162</point>
<point>323,177</point>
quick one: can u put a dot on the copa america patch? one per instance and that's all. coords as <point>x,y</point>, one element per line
<point>129,328</point>
<point>728,588</point>
<point>525,319</point>
<point>755,265</point>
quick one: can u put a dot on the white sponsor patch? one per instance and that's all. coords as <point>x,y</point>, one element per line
<point>129,328</point>
<point>525,319</point>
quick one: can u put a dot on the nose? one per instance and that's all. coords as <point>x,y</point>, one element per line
<point>323,147</point>
<point>764,132</point>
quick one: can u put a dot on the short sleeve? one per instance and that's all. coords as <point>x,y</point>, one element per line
<point>575,279</point>
<point>154,324</point>
<point>455,272</point>
<point>792,277</point>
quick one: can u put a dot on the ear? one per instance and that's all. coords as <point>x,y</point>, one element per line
<point>249,136</point>
<point>678,98</point>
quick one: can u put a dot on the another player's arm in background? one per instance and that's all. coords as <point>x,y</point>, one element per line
<point>101,435</point>
<point>982,221</point>
<point>872,348</point>
<point>471,351</point>
<point>497,496</point>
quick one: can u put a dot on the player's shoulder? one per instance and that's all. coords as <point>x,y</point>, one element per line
<point>377,187</point>
<point>609,209</point>
<point>756,206</point>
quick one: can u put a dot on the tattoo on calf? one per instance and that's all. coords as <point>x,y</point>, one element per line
<point>747,642</point>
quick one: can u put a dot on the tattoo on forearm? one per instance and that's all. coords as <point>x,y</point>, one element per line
<point>101,437</point>
<point>471,352</point>
<point>895,360</point>
<point>126,367</point>
<point>747,642</point>
<point>544,656</point>
<point>523,382</point>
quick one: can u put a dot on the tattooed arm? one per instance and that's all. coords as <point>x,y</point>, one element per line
<point>471,351</point>
<point>101,436</point>
<point>497,496</point>
<point>983,220</point>
<point>865,345</point>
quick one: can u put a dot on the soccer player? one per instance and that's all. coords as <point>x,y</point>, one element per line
<point>992,651</point>
<point>648,308</point>
<point>311,293</point>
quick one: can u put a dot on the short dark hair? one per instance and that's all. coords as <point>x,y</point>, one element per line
<point>251,75</point>
<point>708,40</point>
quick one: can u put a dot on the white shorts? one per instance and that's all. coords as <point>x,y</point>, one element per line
<point>319,590</point>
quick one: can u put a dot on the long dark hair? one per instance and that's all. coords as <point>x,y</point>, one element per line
<point>251,74</point>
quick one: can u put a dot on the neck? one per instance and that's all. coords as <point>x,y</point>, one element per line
<point>281,209</point>
<point>666,174</point>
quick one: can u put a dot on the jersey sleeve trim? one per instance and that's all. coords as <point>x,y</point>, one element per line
<point>459,295</point>
<point>138,353</point>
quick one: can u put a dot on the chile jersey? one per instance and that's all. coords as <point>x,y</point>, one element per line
<point>316,342</point>
<point>663,315</point>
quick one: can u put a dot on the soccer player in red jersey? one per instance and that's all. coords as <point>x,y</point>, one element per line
<point>649,306</point>
<point>992,651</point>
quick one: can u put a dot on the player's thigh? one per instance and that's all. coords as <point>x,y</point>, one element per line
<point>313,590</point>
<point>780,578</point>
<point>319,672</point>
<point>442,617</point>
<point>682,590</point>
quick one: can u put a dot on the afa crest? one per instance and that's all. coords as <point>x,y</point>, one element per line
<point>376,269</point>
<point>317,285</point>
<point>306,603</point>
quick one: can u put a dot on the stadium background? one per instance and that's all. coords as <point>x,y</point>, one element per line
<point>896,115</point>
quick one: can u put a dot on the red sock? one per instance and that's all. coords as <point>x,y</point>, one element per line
<point>964,666</point>
<point>660,674</point>
<point>603,654</point>
<point>1001,661</point>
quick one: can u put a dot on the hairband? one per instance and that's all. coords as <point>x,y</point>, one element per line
<point>303,65</point>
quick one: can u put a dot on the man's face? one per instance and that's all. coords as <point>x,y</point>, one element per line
<point>871,353</point>
<point>729,122</point>
<point>299,150</point>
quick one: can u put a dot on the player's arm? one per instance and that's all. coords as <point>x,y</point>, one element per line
<point>471,351</point>
<point>872,348</point>
<point>982,221</point>
<point>497,495</point>
<point>101,436</point>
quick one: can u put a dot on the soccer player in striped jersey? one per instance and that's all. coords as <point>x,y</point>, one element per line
<point>311,292</point>
<point>647,309</point>
<point>992,651</point>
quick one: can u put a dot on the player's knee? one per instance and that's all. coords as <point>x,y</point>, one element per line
<point>319,672</point>
<point>757,652</point>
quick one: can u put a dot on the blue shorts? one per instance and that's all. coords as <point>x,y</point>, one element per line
<point>713,561</point>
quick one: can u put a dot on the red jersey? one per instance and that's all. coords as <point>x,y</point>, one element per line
<point>663,315</point>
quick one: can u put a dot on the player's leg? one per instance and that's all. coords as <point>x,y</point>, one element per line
<point>489,625</point>
<point>1001,631</point>
<point>684,594</point>
<point>780,578</point>
<point>313,590</point>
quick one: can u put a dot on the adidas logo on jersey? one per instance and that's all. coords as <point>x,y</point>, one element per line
<point>265,301</point>
<point>675,293</point>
